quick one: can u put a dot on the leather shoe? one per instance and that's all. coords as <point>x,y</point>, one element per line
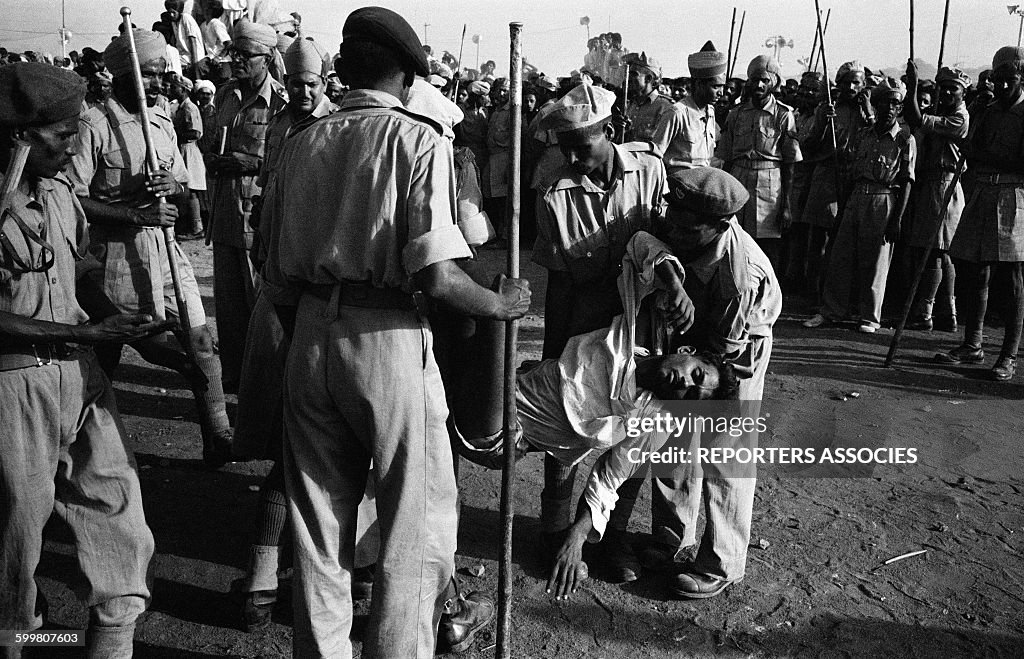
<point>257,609</point>
<point>817,320</point>
<point>691,585</point>
<point>217,449</point>
<point>615,559</point>
<point>962,354</point>
<point>921,324</point>
<point>1003,370</point>
<point>463,617</point>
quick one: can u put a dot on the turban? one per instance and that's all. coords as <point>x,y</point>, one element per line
<point>947,74</point>
<point>706,191</point>
<point>305,56</point>
<point>253,38</point>
<point>149,45</point>
<point>37,94</point>
<point>427,101</point>
<point>480,88</point>
<point>708,63</point>
<point>889,87</point>
<point>386,28</point>
<point>1008,55</point>
<point>584,105</point>
<point>283,41</point>
<point>205,85</point>
<point>765,64</point>
<point>848,68</point>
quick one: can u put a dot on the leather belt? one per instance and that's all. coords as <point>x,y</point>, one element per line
<point>750,163</point>
<point>34,355</point>
<point>364,295</point>
<point>999,178</point>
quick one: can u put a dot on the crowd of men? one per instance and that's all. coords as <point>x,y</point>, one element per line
<point>346,197</point>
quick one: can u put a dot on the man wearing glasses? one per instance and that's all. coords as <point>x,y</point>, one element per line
<point>245,107</point>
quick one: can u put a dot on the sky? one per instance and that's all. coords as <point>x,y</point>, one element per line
<point>874,31</point>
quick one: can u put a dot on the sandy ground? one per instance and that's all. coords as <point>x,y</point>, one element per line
<point>811,589</point>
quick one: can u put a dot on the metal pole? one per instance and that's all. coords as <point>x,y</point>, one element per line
<point>503,648</point>
<point>63,33</point>
<point>1021,28</point>
<point>920,265</point>
<point>154,165</point>
<point>822,32</point>
<point>831,118</point>
<point>942,41</point>
<point>458,71</point>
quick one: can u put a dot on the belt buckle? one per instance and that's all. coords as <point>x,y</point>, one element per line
<point>49,354</point>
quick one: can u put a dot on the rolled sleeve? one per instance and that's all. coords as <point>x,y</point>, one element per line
<point>441,244</point>
<point>83,163</point>
<point>952,126</point>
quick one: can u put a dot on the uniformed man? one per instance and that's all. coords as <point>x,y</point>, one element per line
<point>687,135</point>
<point>367,207</point>
<point>586,214</point>
<point>63,448</point>
<point>258,433</point>
<point>736,300</point>
<point>881,174</point>
<point>245,107</point>
<point>990,238</point>
<point>758,146</point>
<point>118,195</point>
<point>941,133</point>
<point>646,106</point>
<point>851,112</point>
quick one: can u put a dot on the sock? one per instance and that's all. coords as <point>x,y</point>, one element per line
<point>273,513</point>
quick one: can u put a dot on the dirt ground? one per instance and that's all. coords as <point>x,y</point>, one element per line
<point>811,589</point>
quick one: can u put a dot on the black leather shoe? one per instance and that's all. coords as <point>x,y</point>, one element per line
<point>257,608</point>
<point>947,324</point>
<point>920,324</point>
<point>615,558</point>
<point>963,354</point>
<point>217,449</point>
<point>463,617</point>
<point>690,585</point>
<point>1003,370</point>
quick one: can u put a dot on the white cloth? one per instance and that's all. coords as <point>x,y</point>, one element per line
<point>184,30</point>
<point>215,34</point>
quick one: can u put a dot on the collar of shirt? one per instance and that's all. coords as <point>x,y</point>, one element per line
<point>361,98</point>
<point>265,91</point>
<point>117,114</point>
<point>625,162</point>
<point>893,131</point>
<point>769,107</point>
<point>727,245</point>
<point>707,112</point>
<point>647,98</point>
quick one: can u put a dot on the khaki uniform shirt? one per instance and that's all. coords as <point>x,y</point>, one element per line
<point>755,133</point>
<point>687,135</point>
<point>367,195</point>
<point>247,121</point>
<point>940,140</point>
<point>110,164</point>
<point>283,126</point>
<point>997,141</point>
<point>645,114</point>
<point>887,159</point>
<point>52,211</point>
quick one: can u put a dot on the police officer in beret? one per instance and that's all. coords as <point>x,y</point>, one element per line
<point>736,300</point>
<point>62,445</point>
<point>367,209</point>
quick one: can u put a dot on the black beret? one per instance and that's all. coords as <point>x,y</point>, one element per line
<point>36,94</point>
<point>706,191</point>
<point>386,28</point>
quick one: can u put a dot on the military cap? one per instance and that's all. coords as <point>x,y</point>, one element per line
<point>37,94</point>
<point>947,74</point>
<point>642,61</point>
<point>1008,55</point>
<point>706,191</point>
<point>584,105</point>
<point>847,68</point>
<point>889,87</point>
<point>386,28</point>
